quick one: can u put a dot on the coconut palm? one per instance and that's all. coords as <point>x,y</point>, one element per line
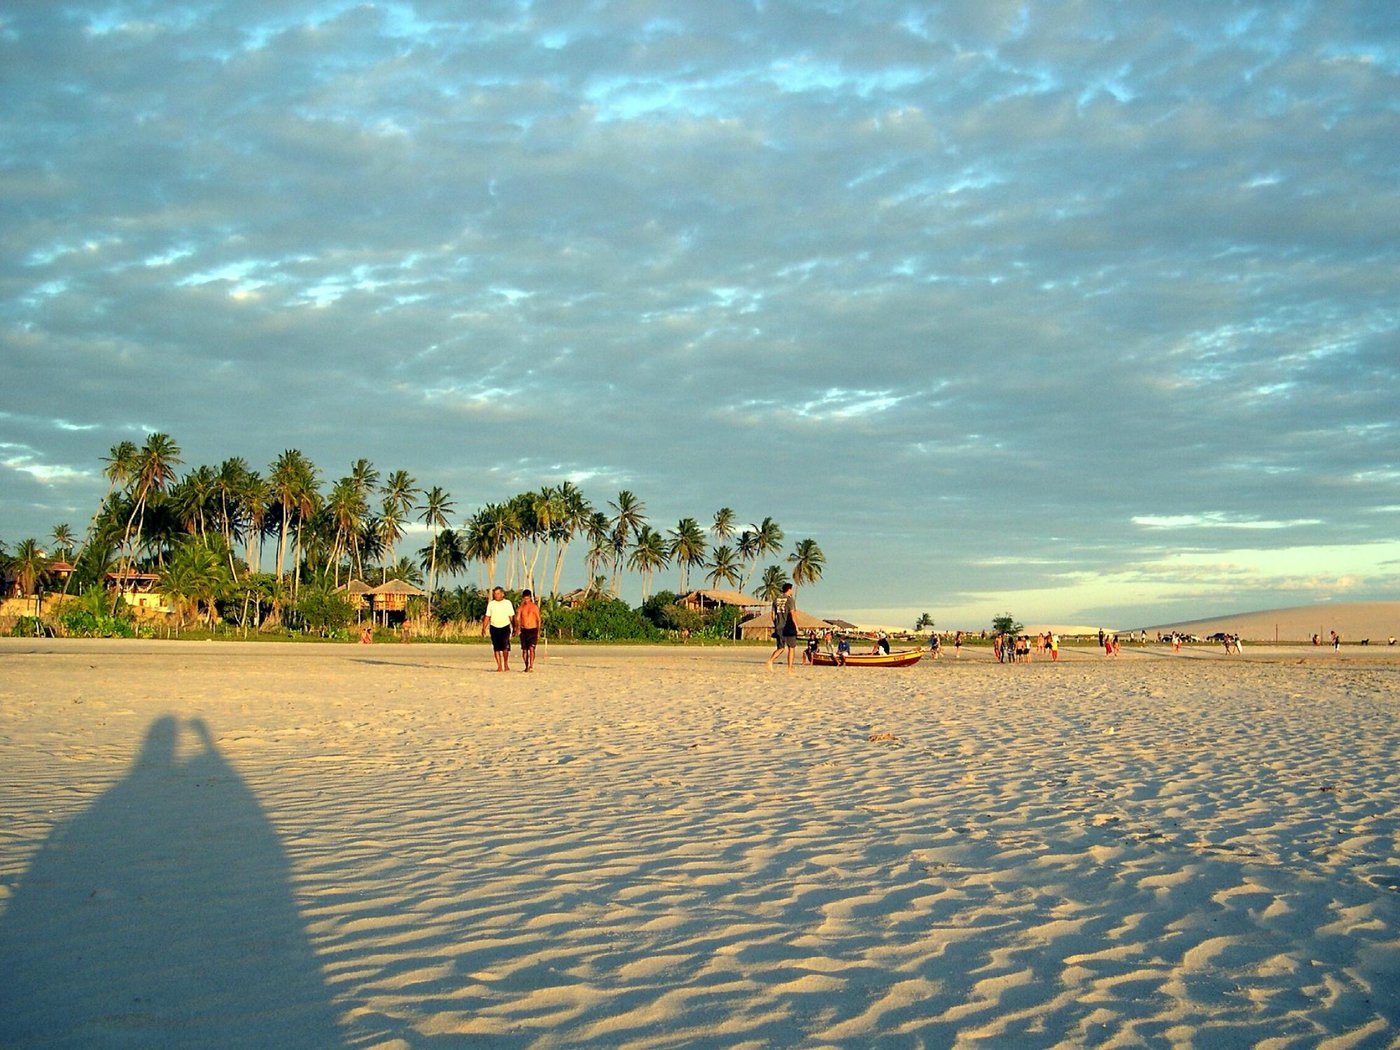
<point>254,498</point>
<point>400,489</point>
<point>723,526</point>
<point>294,483</point>
<point>771,583</point>
<point>196,576</point>
<point>285,477</point>
<point>347,509</point>
<point>687,548</point>
<point>488,534</point>
<point>193,497</point>
<point>724,567</point>
<point>437,506</point>
<point>573,521</point>
<point>120,466</point>
<point>544,509</point>
<point>364,475</point>
<point>446,552</point>
<point>156,461</point>
<point>628,518</point>
<point>649,554</point>
<point>152,472</point>
<point>28,565</point>
<point>403,569</point>
<point>598,531</point>
<point>390,527</point>
<point>760,541</point>
<point>228,489</point>
<point>807,561</point>
<point>63,541</point>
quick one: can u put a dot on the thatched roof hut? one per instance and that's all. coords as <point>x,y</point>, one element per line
<point>761,626</point>
<point>393,595</point>
<point>709,600</point>
<point>357,591</point>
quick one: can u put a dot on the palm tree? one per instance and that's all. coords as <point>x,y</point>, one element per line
<point>284,476</point>
<point>63,541</point>
<point>724,567</point>
<point>771,583</point>
<point>573,520</point>
<point>403,569</point>
<point>445,551</point>
<point>400,490</point>
<point>121,465</point>
<point>28,565</point>
<point>390,527</point>
<point>598,530</point>
<point>346,508</point>
<point>364,475</point>
<point>192,498</point>
<point>365,480</point>
<point>294,483</point>
<point>687,547</point>
<point>629,516</point>
<point>807,561</point>
<point>153,470</point>
<point>544,510</point>
<point>437,506</point>
<point>228,487</point>
<point>62,536</point>
<point>760,541</point>
<point>488,534</point>
<point>649,554</point>
<point>254,496</point>
<point>196,575</point>
<point>723,527</point>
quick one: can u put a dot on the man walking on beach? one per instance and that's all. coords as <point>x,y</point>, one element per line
<point>500,614</point>
<point>527,622</point>
<point>784,626</point>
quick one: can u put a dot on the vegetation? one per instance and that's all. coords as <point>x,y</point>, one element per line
<point>267,552</point>
<point>1006,624</point>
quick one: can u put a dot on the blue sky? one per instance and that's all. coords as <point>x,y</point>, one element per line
<point>1085,311</point>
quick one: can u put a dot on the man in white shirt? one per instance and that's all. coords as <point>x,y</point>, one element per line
<point>500,616</point>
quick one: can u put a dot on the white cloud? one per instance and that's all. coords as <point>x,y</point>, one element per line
<point>1005,274</point>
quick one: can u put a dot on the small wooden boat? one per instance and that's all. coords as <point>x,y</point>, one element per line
<point>898,658</point>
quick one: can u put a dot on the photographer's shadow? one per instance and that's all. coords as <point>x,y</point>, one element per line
<point>163,916</point>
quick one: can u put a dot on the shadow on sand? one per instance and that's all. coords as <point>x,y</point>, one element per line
<point>163,916</point>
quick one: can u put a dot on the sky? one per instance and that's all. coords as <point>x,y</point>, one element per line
<point>1082,311</point>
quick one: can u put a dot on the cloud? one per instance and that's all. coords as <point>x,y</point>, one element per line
<point>944,288</point>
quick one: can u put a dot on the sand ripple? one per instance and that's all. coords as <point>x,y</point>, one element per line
<point>636,848</point>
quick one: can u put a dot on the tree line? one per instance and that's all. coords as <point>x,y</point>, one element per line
<point>260,544</point>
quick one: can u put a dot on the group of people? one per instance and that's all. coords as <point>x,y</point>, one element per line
<point>935,644</point>
<point>503,620</point>
<point>1009,648</point>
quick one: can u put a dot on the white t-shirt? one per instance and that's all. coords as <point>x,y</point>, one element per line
<point>500,612</point>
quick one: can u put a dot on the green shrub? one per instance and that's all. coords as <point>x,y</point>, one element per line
<point>603,620</point>
<point>89,616</point>
<point>26,627</point>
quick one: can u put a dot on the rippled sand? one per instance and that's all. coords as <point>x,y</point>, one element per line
<point>251,845</point>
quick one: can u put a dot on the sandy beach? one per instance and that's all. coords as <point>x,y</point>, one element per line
<point>243,845</point>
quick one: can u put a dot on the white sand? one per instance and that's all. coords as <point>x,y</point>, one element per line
<point>393,847</point>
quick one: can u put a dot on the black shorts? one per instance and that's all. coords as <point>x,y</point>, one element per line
<point>529,637</point>
<point>500,638</point>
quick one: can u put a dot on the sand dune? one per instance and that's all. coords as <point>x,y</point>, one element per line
<point>1354,621</point>
<point>391,847</point>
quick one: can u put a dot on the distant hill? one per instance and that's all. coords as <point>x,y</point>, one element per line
<point>1354,621</point>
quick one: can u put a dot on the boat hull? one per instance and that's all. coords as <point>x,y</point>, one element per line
<point>900,658</point>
